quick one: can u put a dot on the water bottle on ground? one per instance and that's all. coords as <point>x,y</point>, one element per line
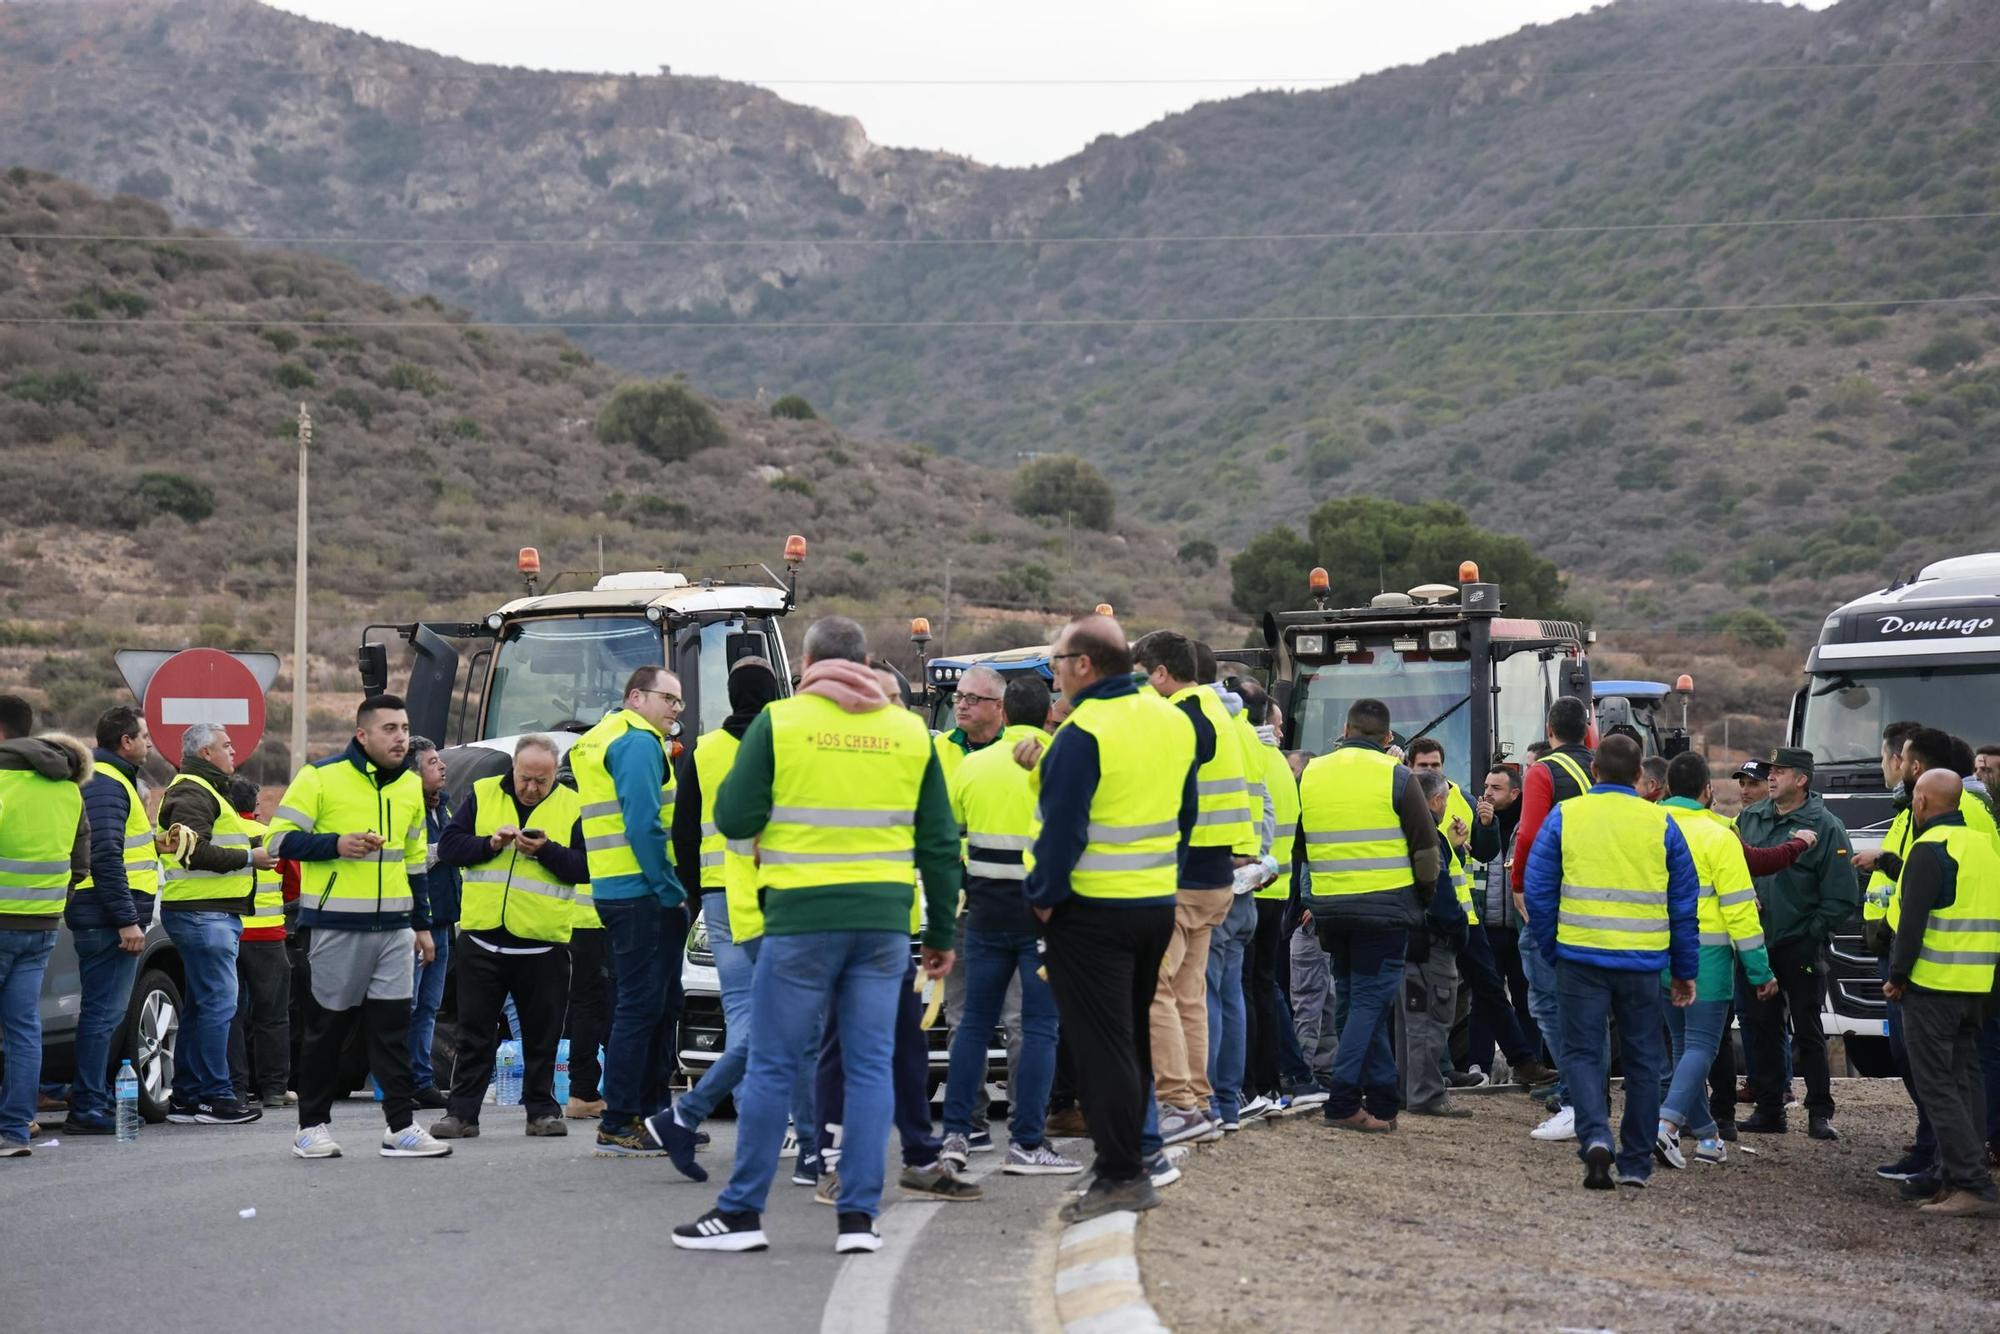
<point>562,1072</point>
<point>507,1075</point>
<point>126,1091</point>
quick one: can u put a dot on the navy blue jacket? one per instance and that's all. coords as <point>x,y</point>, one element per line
<point>1069,781</point>
<point>109,902</point>
<point>443,880</point>
<point>324,846</point>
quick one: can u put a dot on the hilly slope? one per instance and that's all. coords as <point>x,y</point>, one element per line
<point>1680,465</point>
<point>149,390</point>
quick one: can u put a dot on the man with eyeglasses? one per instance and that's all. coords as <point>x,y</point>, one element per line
<point>978,704</point>
<point>627,788</point>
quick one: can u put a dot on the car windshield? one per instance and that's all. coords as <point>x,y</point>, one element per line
<point>1415,692</point>
<point>563,674</point>
<point>1845,712</point>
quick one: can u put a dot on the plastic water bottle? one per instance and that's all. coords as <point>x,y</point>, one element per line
<point>562,1072</point>
<point>507,1075</point>
<point>126,1090</point>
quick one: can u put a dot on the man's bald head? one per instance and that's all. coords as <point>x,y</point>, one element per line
<point>1101,640</point>
<point>1937,793</point>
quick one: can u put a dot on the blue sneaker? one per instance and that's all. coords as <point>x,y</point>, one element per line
<point>664,1129</point>
<point>980,1141</point>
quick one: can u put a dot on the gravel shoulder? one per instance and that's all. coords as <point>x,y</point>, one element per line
<point>1471,1224</point>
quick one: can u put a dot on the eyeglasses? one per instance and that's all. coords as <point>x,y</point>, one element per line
<point>964,699</point>
<point>672,700</point>
<point>1058,657</point>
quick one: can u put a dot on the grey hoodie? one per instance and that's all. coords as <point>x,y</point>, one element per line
<point>59,759</point>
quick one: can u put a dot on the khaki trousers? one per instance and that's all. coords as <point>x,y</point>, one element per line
<point>1179,1016</point>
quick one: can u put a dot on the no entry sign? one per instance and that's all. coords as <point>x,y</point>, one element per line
<point>204,685</point>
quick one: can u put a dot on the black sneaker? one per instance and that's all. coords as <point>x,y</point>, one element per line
<point>231,1113</point>
<point>83,1125</point>
<point>1920,1189</point>
<point>805,1170</point>
<point>719,1230</point>
<point>1597,1168</point>
<point>1111,1197</point>
<point>1906,1168</point>
<point>1762,1122</point>
<point>857,1233</point>
<point>1726,1131</point>
<point>432,1097</point>
<point>182,1113</point>
<point>628,1142</point>
<point>665,1130</point>
<point>1820,1126</point>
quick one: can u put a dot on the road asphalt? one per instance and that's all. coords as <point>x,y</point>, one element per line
<point>509,1233</point>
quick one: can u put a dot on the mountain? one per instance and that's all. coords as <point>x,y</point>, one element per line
<point>1682,465</point>
<point>149,394</point>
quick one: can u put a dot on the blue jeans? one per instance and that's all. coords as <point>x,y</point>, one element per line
<point>1227,1031</point>
<point>1697,1032</point>
<point>207,942</point>
<point>909,1082</point>
<point>424,999</point>
<point>992,960</point>
<point>106,973</point>
<point>853,977</point>
<point>24,957</point>
<point>1367,968</point>
<point>1542,1002</point>
<point>735,969</point>
<point>1591,998</point>
<point>646,938</point>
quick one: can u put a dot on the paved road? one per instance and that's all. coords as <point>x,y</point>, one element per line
<point>509,1233</point>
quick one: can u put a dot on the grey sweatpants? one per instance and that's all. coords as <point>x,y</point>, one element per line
<point>1423,1024</point>
<point>1313,1004</point>
<point>349,967</point>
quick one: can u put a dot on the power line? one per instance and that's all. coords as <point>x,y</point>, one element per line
<point>495,73</point>
<point>853,242</point>
<point>1084,322</point>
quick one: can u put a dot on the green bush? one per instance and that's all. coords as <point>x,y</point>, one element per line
<point>352,402</point>
<point>663,418</point>
<point>464,428</point>
<point>281,340</point>
<point>796,485</point>
<point>1270,573</point>
<point>156,493</point>
<point>1198,551</point>
<point>1754,629</point>
<point>292,375</point>
<point>1064,486</point>
<point>794,407</point>
<point>1946,351</point>
<point>407,377</point>
<point>57,387</point>
<point>1765,405</point>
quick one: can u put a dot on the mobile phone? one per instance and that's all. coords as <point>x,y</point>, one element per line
<point>532,833</point>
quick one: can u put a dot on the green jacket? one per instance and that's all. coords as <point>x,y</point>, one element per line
<point>1810,899</point>
<point>743,807</point>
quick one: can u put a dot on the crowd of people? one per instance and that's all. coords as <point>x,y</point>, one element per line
<point>1180,928</point>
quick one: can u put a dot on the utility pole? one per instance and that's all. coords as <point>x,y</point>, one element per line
<point>299,603</point>
<point>944,623</point>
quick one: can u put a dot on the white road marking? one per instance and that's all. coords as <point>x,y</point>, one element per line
<point>863,1297</point>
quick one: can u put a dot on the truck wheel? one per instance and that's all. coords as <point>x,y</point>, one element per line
<point>152,1035</point>
<point>1869,1057</point>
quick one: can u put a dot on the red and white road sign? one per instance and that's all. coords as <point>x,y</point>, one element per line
<point>204,685</point>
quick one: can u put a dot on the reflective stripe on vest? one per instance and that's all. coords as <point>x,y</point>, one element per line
<point>1145,747</point>
<point>178,884</point>
<point>1283,786</point>
<point>1961,942</point>
<point>1977,818</point>
<point>1555,759</point>
<point>336,797</point>
<point>267,909</point>
<point>509,891</point>
<point>996,801</point>
<point>606,847</point>
<point>1726,905</point>
<point>1881,885</point>
<point>1354,842</point>
<point>1614,874</point>
<point>1222,791</point>
<point>728,864</point>
<point>142,858</point>
<point>843,795</point>
<point>37,834</point>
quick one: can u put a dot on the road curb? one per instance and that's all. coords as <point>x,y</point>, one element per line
<point>1097,1284</point>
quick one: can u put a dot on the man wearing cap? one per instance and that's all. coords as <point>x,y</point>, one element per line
<point>1802,906</point>
<point>1753,782</point>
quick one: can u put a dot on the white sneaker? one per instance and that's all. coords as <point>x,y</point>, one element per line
<point>1256,1109</point>
<point>315,1142</point>
<point>413,1141</point>
<point>790,1148</point>
<point>1038,1161</point>
<point>1560,1126</point>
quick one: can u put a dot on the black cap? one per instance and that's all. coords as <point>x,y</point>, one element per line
<point>1793,757</point>
<point>1757,771</point>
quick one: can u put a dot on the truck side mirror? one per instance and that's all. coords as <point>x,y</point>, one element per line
<point>373,661</point>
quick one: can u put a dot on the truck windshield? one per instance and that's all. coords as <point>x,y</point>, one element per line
<point>1845,712</point>
<point>1415,692</point>
<point>563,674</point>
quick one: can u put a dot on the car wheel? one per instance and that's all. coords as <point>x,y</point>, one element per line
<point>152,1036</point>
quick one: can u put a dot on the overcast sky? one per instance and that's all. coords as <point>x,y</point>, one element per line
<point>855,58</point>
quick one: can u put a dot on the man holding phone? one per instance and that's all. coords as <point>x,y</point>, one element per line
<point>514,927</point>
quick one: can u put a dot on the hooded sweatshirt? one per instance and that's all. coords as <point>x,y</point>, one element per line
<point>60,759</point>
<point>752,685</point>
